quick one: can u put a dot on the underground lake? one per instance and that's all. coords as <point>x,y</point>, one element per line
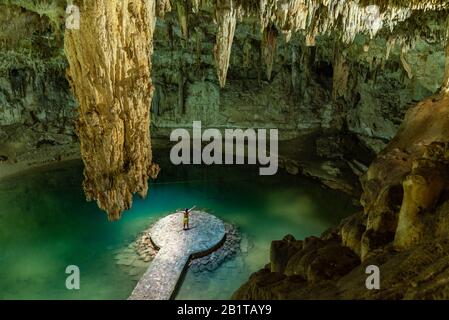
<point>46,225</point>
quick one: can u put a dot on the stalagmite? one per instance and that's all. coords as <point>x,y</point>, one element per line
<point>422,189</point>
<point>109,71</point>
<point>226,18</point>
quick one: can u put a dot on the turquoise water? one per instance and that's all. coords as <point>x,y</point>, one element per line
<point>46,225</point>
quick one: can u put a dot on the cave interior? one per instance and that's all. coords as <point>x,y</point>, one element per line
<point>358,90</point>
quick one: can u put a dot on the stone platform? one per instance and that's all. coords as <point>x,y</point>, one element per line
<point>176,247</point>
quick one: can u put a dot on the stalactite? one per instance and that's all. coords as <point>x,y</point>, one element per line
<point>181,85</point>
<point>310,40</point>
<point>391,42</point>
<point>413,4</point>
<point>344,18</point>
<point>198,52</point>
<point>265,12</point>
<point>109,71</point>
<point>162,7</point>
<point>269,44</point>
<point>247,53</point>
<point>226,18</point>
<point>182,10</point>
<point>294,71</point>
<point>306,60</point>
<point>445,85</point>
<point>347,17</point>
<point>196,5</point>
<point>404,62</point>
<point>340,76</point>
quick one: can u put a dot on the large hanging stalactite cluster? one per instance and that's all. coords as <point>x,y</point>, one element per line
<point>109,59</point>
<point>343,19</point>
<point>110,68</point>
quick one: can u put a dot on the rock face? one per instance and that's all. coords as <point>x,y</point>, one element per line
<point>403,229</point>
<point>109,70</point>
<point>410,174</point>
<point>335,77</point>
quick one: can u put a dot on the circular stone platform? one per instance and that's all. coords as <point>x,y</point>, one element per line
<point>176,246</point>
<point>206,231</point>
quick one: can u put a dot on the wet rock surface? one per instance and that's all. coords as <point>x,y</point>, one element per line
<point>400,230</point>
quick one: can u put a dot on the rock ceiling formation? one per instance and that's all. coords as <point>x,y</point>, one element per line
<point>312,18</point>
<point>110,75</point>
<point>110,68</point>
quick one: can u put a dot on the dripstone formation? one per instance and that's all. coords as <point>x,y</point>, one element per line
<point>109,71</point>
<point>347,70</point>
<point>357,89</point>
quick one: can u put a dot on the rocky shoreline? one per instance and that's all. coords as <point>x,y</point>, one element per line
<point>402,229</point>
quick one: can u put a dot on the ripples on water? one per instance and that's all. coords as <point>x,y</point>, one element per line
<point>46,224</point>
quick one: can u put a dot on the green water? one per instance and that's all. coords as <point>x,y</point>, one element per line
<point>46,225</point>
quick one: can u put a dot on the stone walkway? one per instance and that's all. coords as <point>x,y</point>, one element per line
<point>176,245</point>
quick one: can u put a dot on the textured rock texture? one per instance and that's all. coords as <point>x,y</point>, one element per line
<point>403,228</point>
<point>333,76</point>
<point>109,71</point>
<point>37,109</point>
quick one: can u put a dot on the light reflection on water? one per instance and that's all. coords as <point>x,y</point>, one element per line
<point>46,224</point>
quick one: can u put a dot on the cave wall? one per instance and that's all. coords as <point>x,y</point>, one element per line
<point>37,109</point>
<point>402,229</point>
<point>378,90</point>
<point>32,68</point>
<point>340,90</point>
<point>299,96</point>
<point>324,95</point>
